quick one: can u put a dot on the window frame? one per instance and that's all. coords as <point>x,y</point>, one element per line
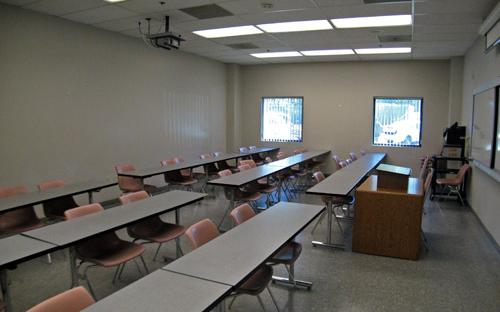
<point>262,124</point>
<point>421,98</point>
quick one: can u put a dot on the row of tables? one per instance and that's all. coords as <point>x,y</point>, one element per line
<point>199,280</point>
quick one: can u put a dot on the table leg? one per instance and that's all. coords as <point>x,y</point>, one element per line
<point>280,186</point>
<point>177,241</point>
<point>5,290</point>
<point>91,197</point>
<point>328,243</point>
<point>72,266</point>
<point>230,207</point>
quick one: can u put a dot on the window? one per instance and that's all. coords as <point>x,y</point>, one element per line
<point>281,119</point>
<point>397,121</point>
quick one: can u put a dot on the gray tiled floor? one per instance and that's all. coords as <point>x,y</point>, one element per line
<point>459,273</point>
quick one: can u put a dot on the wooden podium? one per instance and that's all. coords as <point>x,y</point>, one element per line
<point>393,177</point>
<point>387,221</point>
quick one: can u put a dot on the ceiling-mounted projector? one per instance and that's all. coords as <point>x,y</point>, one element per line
<point>166,40</point>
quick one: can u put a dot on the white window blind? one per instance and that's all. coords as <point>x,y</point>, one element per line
<point>397,121</point>
<point>281,119</point>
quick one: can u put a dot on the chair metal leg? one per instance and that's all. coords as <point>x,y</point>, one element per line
<point>321,217</point>
<point>232,301</point>
<point>156,253</point>
<point>49,258</point>
<point>290,280</point>
<point>261,303</point>
<point>273,299</point>
<point>144,264</point>
<point>86,278</point>
<point>121,270</point>
<point>116,273</point>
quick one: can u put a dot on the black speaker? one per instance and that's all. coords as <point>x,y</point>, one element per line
<point>455,135</point>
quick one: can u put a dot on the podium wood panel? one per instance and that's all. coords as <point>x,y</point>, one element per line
<point>388,222</point>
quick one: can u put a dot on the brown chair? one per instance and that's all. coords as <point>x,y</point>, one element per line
<point>153,229</point>
<point>240,195</point>
<point>20,219</point>
<point>130,184</point>
<point>223,164</point>
<point>73,300</point>
<point>181,178</point>
<point>287,255</point>
<point>204,231</point>
<point>54,209</point>
<point>454,184</point>
<point>105,250</point>
<point>337,160</point>
<point>261,186</point>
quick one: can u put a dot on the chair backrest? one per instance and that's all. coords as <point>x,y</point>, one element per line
<point>73,300</point>
<point>128,184</point>
<point>241,213</point>
<point>353,156</point>
<point>250,162</point>
<point>13,220</point>
<point>318,176</point>
<point>244,149</point>
<point>224,173</point>
<point>11,191</point>
<point>244,167</point>
<point>201,232</point>
<point>217,154</point>
<point>337,160</point>
<point>205,156</point>
<point>343,164</point>
<point>252,147</point>
<point>462,171</point>
<point>132,197</point>
<point>167,162</point>
<point>268,159</point>
<point>83,211</point>
<point>363,152</point>
<point>428,180</point>
<point>423,170</point>
<point>50,184</point>
<point>281,155</point>
<point>348,161</point>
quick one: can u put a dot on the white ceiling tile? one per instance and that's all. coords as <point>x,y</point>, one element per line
<point>98,15</point>
<point>367,10</point>
<point>479,7</point>
<point>62,7</point>
<point>444,37</point>
<point>212,23</point>
<point>132,32</point>
<point>127,23</point>
<point>447,19</point>
<point>255,6</point>
<point>463,28</point>
<point>323,3</point>
<point>154,6</point>
<point>284,16</point>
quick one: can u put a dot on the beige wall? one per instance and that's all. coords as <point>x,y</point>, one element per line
<point>76,100</point>
<point>484,191</point>
<point>338,102</point>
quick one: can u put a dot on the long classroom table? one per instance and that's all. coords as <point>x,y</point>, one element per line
<point>340,184</point>
<point>72,231</point>
<point>237,180</point>
<point>158,170</point>
<point>16,249</point>
<point>38,197</point>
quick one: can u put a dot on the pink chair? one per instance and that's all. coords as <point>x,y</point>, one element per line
<point>454,184</point>
<point>17,220</point>
<point>55,208</point>
<point>181,178</point>
<point>353,156</point>
<point>337,160</point>
<point>223,164</point>
<point>204,231</point>
<point>424,168</point>
<point>73,300</point>
<point>153,229</point>
<point>287,255</point>
<point>105,250</point>
<point>130,184</point>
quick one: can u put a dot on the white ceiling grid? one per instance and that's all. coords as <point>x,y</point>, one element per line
<point>442,28</point>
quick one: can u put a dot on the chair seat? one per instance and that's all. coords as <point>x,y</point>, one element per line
<point>122,252</point>
<point>257,282</point>
<point>287,254</point>
<point>251,197</point>
<point>448,181</point>
<point>150,188</point>
<point>166,233</point>
<point>19,228</point>
<point>268,189</point>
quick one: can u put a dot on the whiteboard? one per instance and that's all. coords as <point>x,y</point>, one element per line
<point>497,153</point>
<point>483,127</point>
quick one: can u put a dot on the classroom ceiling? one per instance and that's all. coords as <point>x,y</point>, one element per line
<point>441,28</point>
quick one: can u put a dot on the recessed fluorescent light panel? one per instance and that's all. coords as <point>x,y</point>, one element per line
<point>383,50</point>
<point>228,32</point>
<point>276,54</point>
<point>327,52</point>
<point>372,21</point>
<point>295,26</point>
<point>114,1</point>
